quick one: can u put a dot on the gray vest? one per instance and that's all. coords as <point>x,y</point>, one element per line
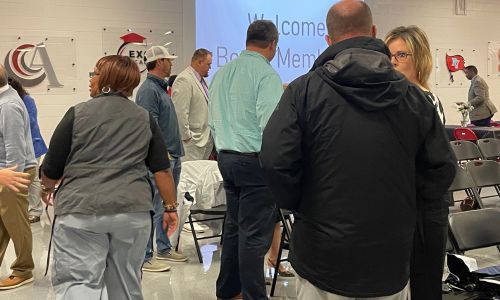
<point>106,171</point>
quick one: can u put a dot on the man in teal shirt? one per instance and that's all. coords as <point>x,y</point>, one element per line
<point>243,94</point>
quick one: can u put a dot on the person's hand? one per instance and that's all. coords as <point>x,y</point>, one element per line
<point>14,180</point>
<point>170,222</point>
<point>47,196</point>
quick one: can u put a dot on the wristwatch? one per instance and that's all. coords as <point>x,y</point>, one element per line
<point>170,207</point>
<point>46,189</point>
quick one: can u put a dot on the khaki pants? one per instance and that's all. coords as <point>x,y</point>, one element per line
<point>14,225</point>
<point>306,290</point>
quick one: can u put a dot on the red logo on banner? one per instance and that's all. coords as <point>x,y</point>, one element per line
<point>454,63</point>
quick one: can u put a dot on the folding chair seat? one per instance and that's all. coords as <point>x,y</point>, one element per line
<point>475,229</point>
<point>466,134</point>
<point>465,150</point>
<point>216,213</point>
<point>485,173</point>
<point>490,148</point>
<point>463,182</point>
<point>286,218</point>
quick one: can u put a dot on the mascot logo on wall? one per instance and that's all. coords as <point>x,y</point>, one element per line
<point>20,64</point>
<point>134,46</point>
<point>454,63</point>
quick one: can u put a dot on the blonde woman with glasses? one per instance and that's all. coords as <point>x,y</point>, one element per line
<point>411,55</point>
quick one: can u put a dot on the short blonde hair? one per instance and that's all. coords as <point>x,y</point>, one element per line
<point>418,44</point>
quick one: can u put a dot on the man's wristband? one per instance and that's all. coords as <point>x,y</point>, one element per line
<point>170,207</point>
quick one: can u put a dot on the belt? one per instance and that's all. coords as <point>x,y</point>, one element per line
<point>251,154</point>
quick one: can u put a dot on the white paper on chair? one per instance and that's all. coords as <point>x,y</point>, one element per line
<point>470,262</point>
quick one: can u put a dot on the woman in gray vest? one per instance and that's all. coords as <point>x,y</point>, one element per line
<point>101,151</point>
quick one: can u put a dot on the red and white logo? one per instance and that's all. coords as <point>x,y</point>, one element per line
<point>20,64</point>
<point>134,46</point>
<point>454,63</point>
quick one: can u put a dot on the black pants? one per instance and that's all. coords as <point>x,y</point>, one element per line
<point>483,122</point>
<point>427,262</point>
<point>248,231</point>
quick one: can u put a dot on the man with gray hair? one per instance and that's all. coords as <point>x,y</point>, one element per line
<point>243,94</point>
<point>359,154</point>
<point>16,149</point>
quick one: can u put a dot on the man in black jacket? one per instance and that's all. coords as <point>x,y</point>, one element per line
<point>355,150</point>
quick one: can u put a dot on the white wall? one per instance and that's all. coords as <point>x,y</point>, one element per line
<point>84,20</point>
<point>447,30</point>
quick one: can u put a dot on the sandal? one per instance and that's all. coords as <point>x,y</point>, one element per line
<point>282,271</point>
<point>33,219</point>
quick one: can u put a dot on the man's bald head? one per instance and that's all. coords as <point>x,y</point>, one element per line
<point>349,18</point>
<point>3,76</point>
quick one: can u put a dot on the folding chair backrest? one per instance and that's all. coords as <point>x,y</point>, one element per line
<point>467,134</point>
<point>462,180</point>
<point>475,228</point>
<point>465,150</point>
<point>490,148</point>
<point>484,172</point>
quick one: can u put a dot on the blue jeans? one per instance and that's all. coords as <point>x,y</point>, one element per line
<point>162,242</point>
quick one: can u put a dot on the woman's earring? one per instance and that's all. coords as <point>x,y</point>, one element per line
<point>106,89</point>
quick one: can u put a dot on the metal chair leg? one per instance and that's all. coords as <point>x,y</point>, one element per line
<point>278,261</point>
<point>195,238</point>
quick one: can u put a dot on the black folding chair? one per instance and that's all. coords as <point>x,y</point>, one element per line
<point>286,218</point>
<point>490,148</point>
<point>465,150</point>
<point>463,182</point>
<point>220,214</point>
<point>475,229</point>
<point>485,173</point>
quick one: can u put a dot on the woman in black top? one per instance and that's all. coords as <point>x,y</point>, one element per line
<point>411,55</point>
<point>101,151</point>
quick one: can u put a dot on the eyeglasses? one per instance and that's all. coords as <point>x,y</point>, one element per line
<point>92,74</point>
<point>401,56</point>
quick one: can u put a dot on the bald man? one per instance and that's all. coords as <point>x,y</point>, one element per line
<point>358,154</point>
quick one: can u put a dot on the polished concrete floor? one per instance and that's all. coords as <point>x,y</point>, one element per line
<point>184,281</point>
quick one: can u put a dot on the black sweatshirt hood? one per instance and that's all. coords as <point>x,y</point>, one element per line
<point>360,70</point>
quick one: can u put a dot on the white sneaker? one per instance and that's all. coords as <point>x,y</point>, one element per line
<point>197,228</point>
